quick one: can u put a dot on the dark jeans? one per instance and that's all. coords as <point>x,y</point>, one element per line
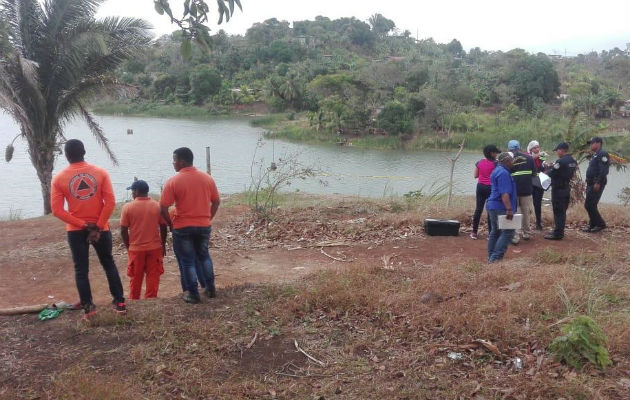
<point>483,192</point>
<point>537,196</point>
<point>80,249</point>
<point>499,239</point>
<point>592,199</point>
<point>191,246</point>
<point>198,270</point>
<point>560,199</point>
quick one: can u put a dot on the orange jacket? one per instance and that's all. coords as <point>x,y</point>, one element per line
<point>88,191</point>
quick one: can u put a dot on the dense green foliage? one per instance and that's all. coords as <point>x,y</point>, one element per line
<point>344,73</point>
<point>582,341</point>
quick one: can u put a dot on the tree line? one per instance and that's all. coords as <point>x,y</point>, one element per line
<point>350,74</point>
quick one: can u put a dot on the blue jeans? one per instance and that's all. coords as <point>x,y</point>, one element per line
<point>198,270</point>
<point>191,246</point>
<point>499,239</point>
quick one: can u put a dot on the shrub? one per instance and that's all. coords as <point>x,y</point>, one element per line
<point>582,340</point>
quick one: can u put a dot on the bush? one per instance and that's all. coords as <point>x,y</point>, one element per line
<point>395,119</point>
<point>582,340</point>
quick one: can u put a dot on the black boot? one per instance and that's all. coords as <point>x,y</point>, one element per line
<point>211,292</point>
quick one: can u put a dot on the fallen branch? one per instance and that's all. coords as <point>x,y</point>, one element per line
<point>249,346</point>
<point>334,258</point>
<point>310,357</point>
<point>330,243</point>
<point>23,309</point>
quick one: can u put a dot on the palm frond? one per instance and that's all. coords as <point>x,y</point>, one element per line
<point>58,15</point>
<point>97,131</point>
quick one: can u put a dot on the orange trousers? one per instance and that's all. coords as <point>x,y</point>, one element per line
<point>148,262</point>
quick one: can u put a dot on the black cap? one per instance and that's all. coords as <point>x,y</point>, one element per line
<point>139,185</point>
<point>595,139</point>
<point>562,145</point>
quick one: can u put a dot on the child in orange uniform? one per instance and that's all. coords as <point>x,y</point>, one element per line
<point>144,233</point>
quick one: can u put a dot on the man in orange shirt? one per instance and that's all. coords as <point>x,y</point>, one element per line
<point>197,199</point>
<point>144,233</point>
<point>88,191</point>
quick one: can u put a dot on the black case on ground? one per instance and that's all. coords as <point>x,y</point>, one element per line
<point>441,227</point>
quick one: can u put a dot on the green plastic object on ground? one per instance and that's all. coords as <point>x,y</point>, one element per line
<point>49,313</point>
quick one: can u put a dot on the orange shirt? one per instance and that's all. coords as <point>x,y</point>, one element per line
<point>142,217</point>
<point>88,191</point>
<point>194,191</point>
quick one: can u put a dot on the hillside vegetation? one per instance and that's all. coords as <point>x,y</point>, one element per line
<point>367,79</point>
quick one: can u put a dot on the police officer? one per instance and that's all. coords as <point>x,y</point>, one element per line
<point>595,184</point>
<point>560,173</point>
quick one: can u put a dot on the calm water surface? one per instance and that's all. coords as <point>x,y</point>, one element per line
<point>147,154</point>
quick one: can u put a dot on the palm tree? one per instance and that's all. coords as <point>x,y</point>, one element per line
<point>59,57</point>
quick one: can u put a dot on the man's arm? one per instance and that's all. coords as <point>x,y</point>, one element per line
<point>166,216</point>
<point>163,237</point>
<point>109,202</point>
<point>124,233</point>
<point>214,207</point>
<point>56,204</point>
<point>215,198</point>
<point>505,198</point>
<point>604,167</point>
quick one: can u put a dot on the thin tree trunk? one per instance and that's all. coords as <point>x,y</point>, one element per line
<point>43,159</point>
<point>450,180</point>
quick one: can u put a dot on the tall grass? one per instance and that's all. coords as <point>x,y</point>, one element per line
<point>301,134</point>
<point>267,121</point>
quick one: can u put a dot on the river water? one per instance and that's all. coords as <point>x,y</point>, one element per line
<point>147,154</point>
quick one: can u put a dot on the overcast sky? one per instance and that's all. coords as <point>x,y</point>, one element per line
<point>550,26</point>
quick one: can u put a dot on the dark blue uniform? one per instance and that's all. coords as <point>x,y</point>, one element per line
<point>561,173</point>
<point>597,172</point>
<point>523,169</point>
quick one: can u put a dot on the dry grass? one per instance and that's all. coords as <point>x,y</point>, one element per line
<point>373,331</point>
<point>381,332</point>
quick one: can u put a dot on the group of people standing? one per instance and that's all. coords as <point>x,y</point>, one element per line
<point>507,182</point>
<point>87,190</point>
<point>510,181</point>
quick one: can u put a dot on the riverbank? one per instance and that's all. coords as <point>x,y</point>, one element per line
<point>481,129</point>
<point>187,111</point>
<point>336,297</point>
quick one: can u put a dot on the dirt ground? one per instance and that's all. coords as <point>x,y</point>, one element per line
<point>36,265</point>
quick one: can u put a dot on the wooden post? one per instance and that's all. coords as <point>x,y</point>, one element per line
<point>208,167</point>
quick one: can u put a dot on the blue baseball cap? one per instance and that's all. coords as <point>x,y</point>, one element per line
<point>139,185</point>
<point>514,145</point>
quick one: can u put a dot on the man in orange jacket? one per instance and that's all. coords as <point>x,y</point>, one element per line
<point>88,191</point>
<point>143,231</point>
